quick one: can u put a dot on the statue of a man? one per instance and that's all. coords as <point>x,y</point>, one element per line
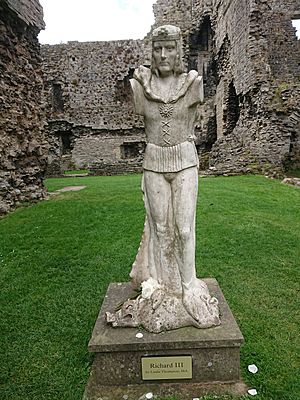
<point>167,98</point>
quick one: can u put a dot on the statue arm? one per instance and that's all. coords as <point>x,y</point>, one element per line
<point>196,92</point>
<point>138,96</point>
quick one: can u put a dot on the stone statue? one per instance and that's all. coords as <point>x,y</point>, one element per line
<point>164,268</point>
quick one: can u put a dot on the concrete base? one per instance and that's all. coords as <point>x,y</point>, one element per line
<point>117,373</point>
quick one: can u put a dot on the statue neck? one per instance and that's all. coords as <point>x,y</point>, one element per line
<point>165,86</point>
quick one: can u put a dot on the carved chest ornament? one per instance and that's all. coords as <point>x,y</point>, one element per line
<point>166,111</point>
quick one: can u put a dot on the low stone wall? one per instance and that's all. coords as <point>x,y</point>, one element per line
<point>117,168</point>
<point>79,147</point>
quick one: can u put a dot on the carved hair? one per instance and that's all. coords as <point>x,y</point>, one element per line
<point>169,33</point>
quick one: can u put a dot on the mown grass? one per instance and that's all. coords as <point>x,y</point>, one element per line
<point>76,171</point>
<point>58,257</point>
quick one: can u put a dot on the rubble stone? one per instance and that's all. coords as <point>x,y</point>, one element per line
<point>23,148</point>
<point>251,62</point>
<point>89,104</point>
<point>249,56</point>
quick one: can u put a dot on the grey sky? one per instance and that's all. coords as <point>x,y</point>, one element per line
<point>94,20</point>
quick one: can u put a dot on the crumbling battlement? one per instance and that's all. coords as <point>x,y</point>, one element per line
<point>29,11</point>
<point>22,147</point>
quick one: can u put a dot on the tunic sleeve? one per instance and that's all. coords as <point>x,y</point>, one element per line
<point>195,93</point>
<point>138,97</point>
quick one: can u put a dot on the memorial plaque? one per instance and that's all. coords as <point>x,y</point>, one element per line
<point>175,367</point>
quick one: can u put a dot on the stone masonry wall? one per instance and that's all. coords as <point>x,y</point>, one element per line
<point>251,79</point>
<point>266,81</point>
<point>249,57</point>
<point>94,82</point>
<point>29,11</point>
<point>22,146</point>
<point>87,86</point>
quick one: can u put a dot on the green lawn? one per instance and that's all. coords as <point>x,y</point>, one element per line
<point>57,258</point>
<point>76,171</point>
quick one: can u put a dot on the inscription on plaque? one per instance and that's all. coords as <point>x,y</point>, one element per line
<point>175,367</point>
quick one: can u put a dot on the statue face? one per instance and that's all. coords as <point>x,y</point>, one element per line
<point>164,54</point>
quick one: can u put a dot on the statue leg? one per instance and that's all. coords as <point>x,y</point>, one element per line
<point>184,190</point>
<point>196,297</point>
<point>157,203</point>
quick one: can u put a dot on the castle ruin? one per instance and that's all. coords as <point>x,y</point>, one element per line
<point>249,55</point>
<point>72,108</point>
<point>89,109</point>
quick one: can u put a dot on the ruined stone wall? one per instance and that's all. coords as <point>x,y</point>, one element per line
<point>250,118</point>
<point>174,12</point>
<point>22,144</point>
<point>262,62</point>
<point>94,82</point>
<point>248,55</point>
<point>87,85</point>
<point>29,11</point>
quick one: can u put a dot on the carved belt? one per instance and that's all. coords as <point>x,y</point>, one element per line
<point>170,158</point>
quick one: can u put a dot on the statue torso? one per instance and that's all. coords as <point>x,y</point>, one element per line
<point>169,115</point>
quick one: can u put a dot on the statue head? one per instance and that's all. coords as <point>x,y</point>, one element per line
<point>167,50</point>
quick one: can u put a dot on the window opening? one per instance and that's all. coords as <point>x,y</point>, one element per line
<point>232,110</point>
<point>132,149</point>
<point>66,142</point>
<point>200,44</point>
<point>57,98</point>
<point>296,25</point>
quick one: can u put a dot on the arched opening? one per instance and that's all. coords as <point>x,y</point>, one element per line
<point>232,110</point>
<point>57,98</point>
<point>200,46</point>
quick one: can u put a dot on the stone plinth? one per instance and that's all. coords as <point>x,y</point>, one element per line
<point>117,370</point>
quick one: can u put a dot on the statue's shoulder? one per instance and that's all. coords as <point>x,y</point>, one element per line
<point>192,87</point>
<point>188,78</point>
<point>142,74</point>
<point>139,84</point>
<point>192,75</point>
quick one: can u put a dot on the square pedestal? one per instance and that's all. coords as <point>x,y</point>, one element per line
<point>117,368</point>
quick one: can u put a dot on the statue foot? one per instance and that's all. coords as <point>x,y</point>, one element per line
<point>199,304</point>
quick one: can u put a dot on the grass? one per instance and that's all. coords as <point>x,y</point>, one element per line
<point>76,171</point>
<point>57,258</point>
